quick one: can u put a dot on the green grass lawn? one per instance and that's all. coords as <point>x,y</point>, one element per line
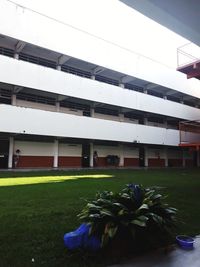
<point>37,208</point>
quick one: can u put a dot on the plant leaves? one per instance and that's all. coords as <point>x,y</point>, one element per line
<point>104,240</point>
<point>144,206</point>
<point>112,231</point>
<point>139,223</point>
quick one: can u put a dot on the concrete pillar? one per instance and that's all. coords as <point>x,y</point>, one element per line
<point>91,155</point>
<point>16,56</point>
<point>55,157</point>
<point>11,149</point>
<point>145,121</point>
<point>92,112</point>
<point>183,159</point>
<point>165,123</point>
<point>93,77</point>
<point>165,97</point>
<point>57,106</point>
<point>121,155</point>
<point>13,100</point>
<point>146,164</point>
<point>58,67</point>
<point>121,117</point>
<point>145,91</point>
<point>121,85</point>
<point>166,156</point>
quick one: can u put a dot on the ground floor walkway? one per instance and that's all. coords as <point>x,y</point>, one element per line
<point>174,257</point>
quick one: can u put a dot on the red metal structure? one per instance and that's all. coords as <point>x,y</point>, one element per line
<point>190,134</point>
<point>192,70</point>
<point>190,138</point>
<point>188,60</point>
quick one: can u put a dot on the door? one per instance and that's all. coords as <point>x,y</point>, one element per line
<point>141,157</point>
<point>85,155</point>
<point>4,151</point>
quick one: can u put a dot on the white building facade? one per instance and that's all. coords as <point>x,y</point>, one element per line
<point>61,100</point>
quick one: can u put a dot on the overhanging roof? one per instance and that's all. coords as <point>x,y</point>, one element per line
<point>180,16</point>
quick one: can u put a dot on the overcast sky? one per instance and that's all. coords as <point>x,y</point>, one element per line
<point>115,22</point>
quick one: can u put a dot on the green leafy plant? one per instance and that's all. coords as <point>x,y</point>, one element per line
<point>135,212</point>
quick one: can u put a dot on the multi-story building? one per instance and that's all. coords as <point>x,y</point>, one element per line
<point>61,101</point>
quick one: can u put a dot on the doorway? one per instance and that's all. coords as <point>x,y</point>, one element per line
<point>4,151</point>
<point>85,155</point>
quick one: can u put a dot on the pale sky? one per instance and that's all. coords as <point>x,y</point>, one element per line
<point>115,22</point>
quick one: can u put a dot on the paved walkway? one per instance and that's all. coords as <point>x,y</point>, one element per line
<point>176,257</point>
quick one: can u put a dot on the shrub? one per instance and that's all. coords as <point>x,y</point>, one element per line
<point>136,214</point>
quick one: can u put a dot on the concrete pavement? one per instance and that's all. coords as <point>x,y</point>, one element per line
<point>175,257</point>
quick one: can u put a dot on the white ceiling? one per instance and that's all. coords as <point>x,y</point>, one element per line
<point>180,16</point>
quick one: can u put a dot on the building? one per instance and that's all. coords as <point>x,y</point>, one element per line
<point>60,101</point>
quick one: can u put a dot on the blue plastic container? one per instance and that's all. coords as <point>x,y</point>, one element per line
<point>184,241</point>
<point>80,238</point>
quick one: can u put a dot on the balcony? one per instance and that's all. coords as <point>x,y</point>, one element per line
<point>26,121</point>
<point>47,80</point>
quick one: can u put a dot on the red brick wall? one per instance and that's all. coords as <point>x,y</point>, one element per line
<point>131,162</point>
<point>69,162</point>
<point>156,162</point>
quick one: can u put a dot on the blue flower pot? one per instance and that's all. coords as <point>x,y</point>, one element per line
<point>184,241</point>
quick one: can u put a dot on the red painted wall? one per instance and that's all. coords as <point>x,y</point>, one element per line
<point>175,162</point>
<point>131,162</point>
<point>45,161</point>
<point>156,162</point>
<point>69,162</point>
<point>34,161</point>
<point>189,163</point>
<point>102,162</point>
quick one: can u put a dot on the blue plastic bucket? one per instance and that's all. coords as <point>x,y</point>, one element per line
<point>184,241</point>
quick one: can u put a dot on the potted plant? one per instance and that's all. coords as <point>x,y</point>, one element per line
<point>135,216</point>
